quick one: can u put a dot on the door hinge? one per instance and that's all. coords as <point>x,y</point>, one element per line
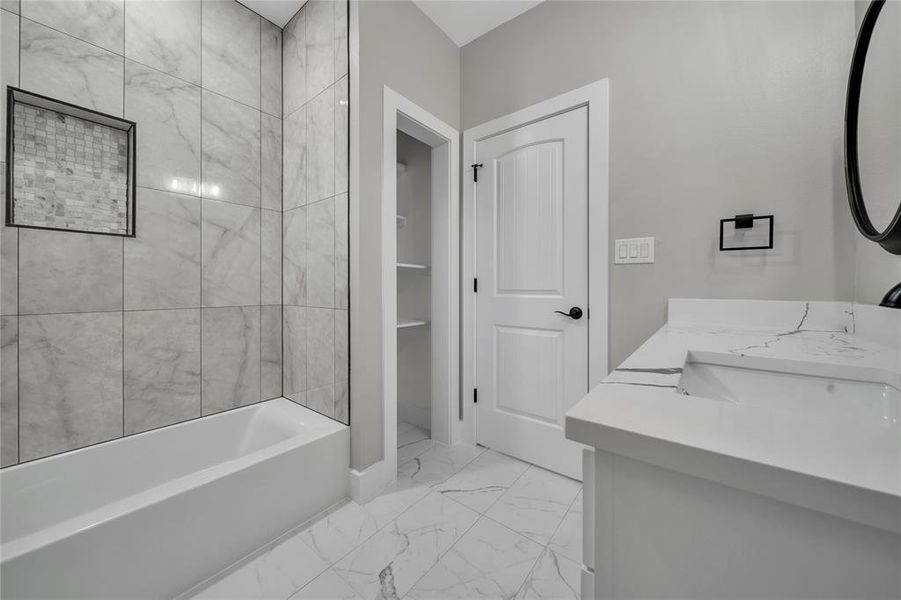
<point>475,285</point>
<point>475,395</point>
<point>475,172</point>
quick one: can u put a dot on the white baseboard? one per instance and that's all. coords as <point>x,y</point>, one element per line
<point>365,484</point>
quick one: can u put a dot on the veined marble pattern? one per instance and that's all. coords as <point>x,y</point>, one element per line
<point>294,257</point>
<point>62,271</point>
<point>321,254</point>
<point>162,368</point>
<point>231,51</point>
<point>62,67</point>
<point>320,347</point>
<point>484,482</point>
<point>167,111</point>
<point>165,35</point>
<point>70,381</point>
<point>9,390</point>
<point>407,542</point>
<point>271,257</point>
<point>230,366</point>
<point>271,351</point>
<point>271,169</point>
<point>9,260</point>
<point>567,541</point>
<point>9,68</point>
<point>294,374</point>
<point>341,48</point>
<point>320,52</point>
<point>342,114</point>
<point>342,289</point>
<point>231,150</point>
<point>162,263</point>
<point>342,363</point>
<point>320,162</point>
<point>294,161</point>
<point>271,68</point>
<point>294,63</point>
<point>322,400</point>
<point>99,22</point>
<point>230,254</point>
<point>411,442</point>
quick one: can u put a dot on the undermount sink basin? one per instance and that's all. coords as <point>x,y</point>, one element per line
<point>858,394</point>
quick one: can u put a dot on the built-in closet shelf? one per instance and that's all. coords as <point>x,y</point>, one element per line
<point>413,267</point>
<point>401,220</point>
<point>404,323</point>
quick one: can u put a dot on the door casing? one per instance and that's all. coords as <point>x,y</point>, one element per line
<point>595,96</point>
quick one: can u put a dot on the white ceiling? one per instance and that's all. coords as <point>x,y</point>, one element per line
<point>465,20</point>
<point>277,11</point>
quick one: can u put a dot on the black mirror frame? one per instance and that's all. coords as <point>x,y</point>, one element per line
<point>890,239</point>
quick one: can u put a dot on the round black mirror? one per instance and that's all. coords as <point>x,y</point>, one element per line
<point>873,127</point>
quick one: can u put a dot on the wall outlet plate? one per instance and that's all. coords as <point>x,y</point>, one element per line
<point>630,251</point>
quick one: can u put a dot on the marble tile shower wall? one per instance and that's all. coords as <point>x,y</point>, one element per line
<point>104,337</point>
<point>315,292</point>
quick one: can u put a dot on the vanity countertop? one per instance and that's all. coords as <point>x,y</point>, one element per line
<point>640,411</point>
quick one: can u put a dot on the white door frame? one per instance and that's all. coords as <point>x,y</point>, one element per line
<point>595,96</point>
<point>401,114</point>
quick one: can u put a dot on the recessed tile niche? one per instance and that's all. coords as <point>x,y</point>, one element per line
<point>70,168</point>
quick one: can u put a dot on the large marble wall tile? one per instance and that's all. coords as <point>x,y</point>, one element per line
<point>271,68</point>
<point>342,108</point>
<point>341,252</point>
<point>162,368</point>
<point>294,375</point>
<point>295,159</point>
<point>230,369</point>
<point>230,254</point>
<point>70,381</point>
<point>320,167</point>
<point>62,271</point>
<point>162,263</point>
<point>99,22</point>
<point>321,254</point>
<point>231,51</point>
<point>342,343</point>
<point>271,167</point>
<point>62,67</point>
<point>341,30</point>
<point>167,111</point>
<point>231,150</point>
<point>342,402</point>
<point>9,68</point>
<point>9,390</point>
<point>294,257</point>
<point>271,351</point>
<point>320,41</point>
<point>322,400</point>
<point>9,258</point>
<point>271,258</point>
<point>10,5</point>
<point>320,347</point>
<point>294,63</point>
<point>165,35</point>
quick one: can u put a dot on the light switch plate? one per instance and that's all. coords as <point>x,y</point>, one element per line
<point>631,251</point>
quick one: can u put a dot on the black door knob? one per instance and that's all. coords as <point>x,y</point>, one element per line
<point>575,313</point>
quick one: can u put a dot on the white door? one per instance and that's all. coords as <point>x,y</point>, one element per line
<point>531,262</point>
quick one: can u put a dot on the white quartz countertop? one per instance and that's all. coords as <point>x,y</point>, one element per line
<point>639,401</point>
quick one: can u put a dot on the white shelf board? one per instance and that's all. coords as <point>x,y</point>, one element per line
<point>403,323</point>
<point>413,266</point>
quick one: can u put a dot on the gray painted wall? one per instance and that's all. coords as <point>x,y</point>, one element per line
<point>401,48</point>
<point>716,108</point>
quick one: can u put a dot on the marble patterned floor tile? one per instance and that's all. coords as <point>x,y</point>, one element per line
<point>98,22</point>
<point>294,374</point>
<point>9,390</point>
<point>483,481</point>
<point>167,111</point>
<point>294,63</point>
<point>62,67</point>
<point>70,381</point>
<point>536,504</point>
<point>294,257</point>
<point>320,347</point>
<point>271,257</point>
<point>271,68</point>
<point>230,254</point>
<point>320,238</point>
<point>283,569</point>
<point>489,561</point>
<point>390,562</point>
<point>230,363</point>
<point>271,351</point>
<point>554,577</point>
<point>231,150</point>
<point>411,442</point>
<point>328,586</point>
<point>162,368</point>
<point>294,159</point>
<point>63,271</point>
<point>231,51</point>
<point>162,262</point>
<point>271,167</point>
<point>165,35</point>
<point>320,156</point>
<point>568,538</point>
<point>438,464</point>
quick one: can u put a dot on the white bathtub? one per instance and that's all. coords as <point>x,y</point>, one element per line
<point>149,516</point>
